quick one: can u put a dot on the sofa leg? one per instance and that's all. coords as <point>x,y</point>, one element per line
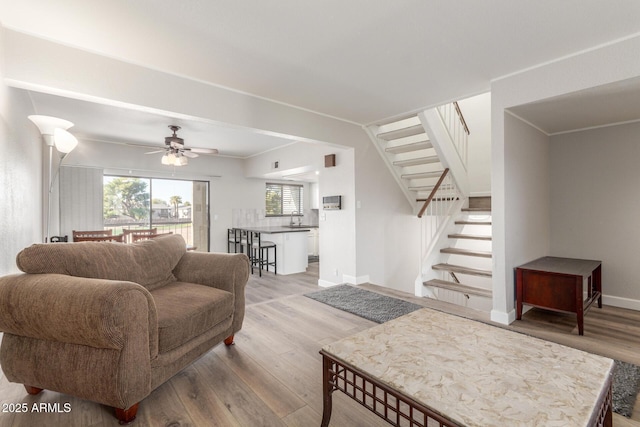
<point>228,340</point>
<point>126,416</point>
<point>32,390</point>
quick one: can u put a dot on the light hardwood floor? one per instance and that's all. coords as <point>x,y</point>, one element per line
<point>272,375</point>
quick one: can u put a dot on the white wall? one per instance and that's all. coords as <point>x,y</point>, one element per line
<point>527,190</point>
<point>388,232</point>
<point>477,113</point>
<point>595,205</point>
<point>603,65</point>
<point>20,174</point>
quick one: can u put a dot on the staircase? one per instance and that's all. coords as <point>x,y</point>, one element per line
<point>410,155</point>
<point>426,154</point>
<point>465,266</point>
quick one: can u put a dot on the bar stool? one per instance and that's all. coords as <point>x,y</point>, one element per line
<point>259,253</point>
<point>234,240</point>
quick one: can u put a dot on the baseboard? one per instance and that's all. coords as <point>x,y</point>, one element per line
<point>502,317</point>
<point>355,280</point>
<point>631,304</point>
<point>326,283</point>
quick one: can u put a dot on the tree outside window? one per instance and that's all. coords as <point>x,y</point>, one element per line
<point>283,199</point>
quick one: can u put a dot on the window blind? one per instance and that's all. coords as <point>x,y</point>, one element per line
<point>283,199</point>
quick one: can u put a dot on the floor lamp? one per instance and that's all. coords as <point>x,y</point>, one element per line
<point>54,132</point>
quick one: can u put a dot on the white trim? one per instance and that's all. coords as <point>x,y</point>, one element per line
<point>502,317</point>
<point>355,280</point>
<point>326,283</point>
<point>562,58</point>
<point>620,302</point>
<point>595,127</point>
<point>511,113</point>
<point>563,132</point>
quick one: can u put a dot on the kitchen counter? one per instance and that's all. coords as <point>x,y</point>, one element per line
<point>274,229</point>
<point>291,246</point>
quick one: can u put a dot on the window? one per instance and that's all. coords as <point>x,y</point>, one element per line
<point>283,199</point>
<point>167,205</point>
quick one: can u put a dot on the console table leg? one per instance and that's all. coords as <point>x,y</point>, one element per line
<point>327,391</point>
<point>519,290</point>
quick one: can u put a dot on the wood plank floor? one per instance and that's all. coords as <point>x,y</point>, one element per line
<point>272,375</point>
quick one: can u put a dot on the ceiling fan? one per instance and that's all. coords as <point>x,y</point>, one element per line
<point>175,153</point>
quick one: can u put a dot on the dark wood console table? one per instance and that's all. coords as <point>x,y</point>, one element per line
<point>559,284</point>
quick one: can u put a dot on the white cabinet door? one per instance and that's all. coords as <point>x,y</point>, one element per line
<point>311,245</point>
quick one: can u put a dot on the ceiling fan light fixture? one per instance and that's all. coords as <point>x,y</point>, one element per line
<point>181,161</point>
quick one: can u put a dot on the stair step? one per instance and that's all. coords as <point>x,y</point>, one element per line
<point>437,199</point>
<point>417,161</point>
<point>462,270</point>
<point>476,210</point>
<point>420,175</point>
<point>459,287</point>
<point>401,133</point>
<point>469,236</point>
<point>468,252</point>
<point>406,148</point>
<point>480,202</point>
<point>468,222</point>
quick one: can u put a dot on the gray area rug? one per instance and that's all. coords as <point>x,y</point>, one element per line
<point>381,308</point>
<point>626,383</point>
<point>363,303</point>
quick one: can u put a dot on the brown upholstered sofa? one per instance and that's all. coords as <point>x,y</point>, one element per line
<point>110,322</point>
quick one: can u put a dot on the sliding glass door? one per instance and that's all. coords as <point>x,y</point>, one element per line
<point>167,205</point>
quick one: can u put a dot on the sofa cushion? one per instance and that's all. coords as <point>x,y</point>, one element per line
<point>186,310</point>
<point>148,263</point>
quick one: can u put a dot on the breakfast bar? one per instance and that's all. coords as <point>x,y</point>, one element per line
<point>431,368</point>
<point>291,246</point>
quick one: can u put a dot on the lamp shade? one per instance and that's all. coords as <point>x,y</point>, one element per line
<point>47,124</point>
<point>64,141</point>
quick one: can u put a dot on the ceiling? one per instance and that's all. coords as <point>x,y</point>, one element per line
<point>599,106</point>
<point>359,60</point>
<point>107,123</point>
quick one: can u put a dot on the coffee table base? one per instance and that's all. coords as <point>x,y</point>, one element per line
<point>391,405</point>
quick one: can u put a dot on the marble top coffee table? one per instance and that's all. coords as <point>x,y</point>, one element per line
<point>431,368</point>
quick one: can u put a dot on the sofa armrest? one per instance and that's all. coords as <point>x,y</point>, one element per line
<point>76,310</point>
<point>228,272</point>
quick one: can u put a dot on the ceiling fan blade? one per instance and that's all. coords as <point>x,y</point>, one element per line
<point>189,154</point>
<point>155,152</point>
<point>204,150</point>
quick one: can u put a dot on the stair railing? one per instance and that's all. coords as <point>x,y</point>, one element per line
<point>437,190</point>
<point>456,125</point>
<point>436,213</point>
